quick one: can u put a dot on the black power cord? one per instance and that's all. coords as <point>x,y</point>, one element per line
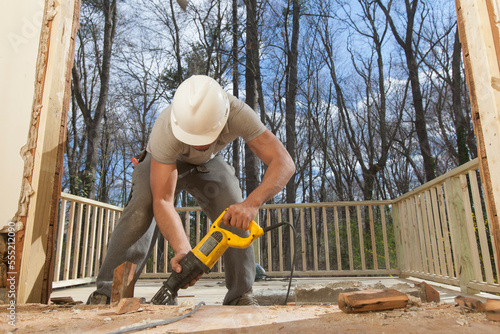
<point>272,227</point>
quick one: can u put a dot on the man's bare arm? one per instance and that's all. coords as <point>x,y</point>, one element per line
<point>280,168</point>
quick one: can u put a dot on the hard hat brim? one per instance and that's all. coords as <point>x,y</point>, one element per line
<point>198,139</point>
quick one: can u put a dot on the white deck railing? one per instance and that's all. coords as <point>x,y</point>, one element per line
<point>434,232</point>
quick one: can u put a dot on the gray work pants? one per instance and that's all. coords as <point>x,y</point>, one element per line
<point>215,187</point>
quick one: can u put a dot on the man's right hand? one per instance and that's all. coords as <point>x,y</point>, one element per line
<point>175,263</point>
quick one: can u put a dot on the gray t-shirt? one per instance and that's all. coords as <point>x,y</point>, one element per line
<point>165,148</point>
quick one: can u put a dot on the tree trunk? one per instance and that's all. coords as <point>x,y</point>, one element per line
<point>93,123</point>
<point>236,75</point>
<point>459,119</point>
<point>252,51</point>
<point>407,45</point>
<point>291,97</point>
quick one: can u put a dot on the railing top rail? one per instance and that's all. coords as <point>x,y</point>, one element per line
<point>473,164</point>
<point>79,199</point>
<point>304,205</point>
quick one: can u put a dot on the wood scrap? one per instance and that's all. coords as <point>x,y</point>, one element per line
<point>123,282</point>
<point>372,300</point>
<point>428,293</point>
<point>470,303</point>
<point>127,305</point>
<point>64,301</point>
<point>492,309</point>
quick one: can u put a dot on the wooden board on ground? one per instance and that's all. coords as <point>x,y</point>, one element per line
<point>428,293</point>
<point>471,303</point>
<point>123,282</point>
<point>372,300</point>
<point>492,309</point>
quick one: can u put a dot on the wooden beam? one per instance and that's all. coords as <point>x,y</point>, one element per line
<point>43,154</point>
<point>123,282</point>
<point>479,34</point>
<point>372,300</point>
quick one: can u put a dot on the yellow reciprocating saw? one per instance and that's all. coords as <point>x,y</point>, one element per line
<point>203,257</point>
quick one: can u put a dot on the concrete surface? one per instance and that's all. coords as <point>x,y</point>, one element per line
<point>269,292</point>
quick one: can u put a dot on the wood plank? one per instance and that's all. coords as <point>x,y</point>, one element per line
<point>426,233</point>
<point>303,240</point>
<point>492,309</point>
<point>384,238</point>
<point>92,262</point>
<point>372,300</point>
<point>439,234</point>
<point>123,282</point>
<point>479,34</point>
<point>326,239</point>
<point>60,238</point>
<point>280,242</point>
<point>471,233</point>
<point>361,240</point>
<point>98,257</point>
<point>372,234</point>
<point>337,238</point>
<point>85,243</point>
<point>45,150</point>
<point>69,241</point>
<point>269,242</point>
<point>445,233</point>
<point>460,242</point>
<point>471,303</point>
<point>428,293</point>
<point>127,305</point>
<point>432,231</point>
<point>314,240</point>
<point>349,237</point>
<point>76,244</point>
<point>481,230</point>
<point>424,249</point>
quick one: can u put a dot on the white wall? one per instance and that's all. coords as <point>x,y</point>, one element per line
<point>20,24</point>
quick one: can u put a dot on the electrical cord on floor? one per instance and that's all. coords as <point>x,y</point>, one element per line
<point>159,323</point>
<point>272,227</point>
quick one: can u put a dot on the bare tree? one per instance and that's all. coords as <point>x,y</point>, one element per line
<point>83,90</point>
<point>407,42</point>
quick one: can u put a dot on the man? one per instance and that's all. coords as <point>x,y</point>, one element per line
<point>182,154</point>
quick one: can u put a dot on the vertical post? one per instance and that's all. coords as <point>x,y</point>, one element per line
<point>398,237</point>
<point>480,37</point>
<point>460,241</point>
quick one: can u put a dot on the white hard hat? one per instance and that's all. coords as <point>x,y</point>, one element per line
<point>199,111</point>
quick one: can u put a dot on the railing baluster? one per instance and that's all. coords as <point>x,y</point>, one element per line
<point>60,239</point>
<point>337,237</point>
<point>69,241</point>
<point>90,268</point>
<point>268,243</point>
<point>314,240</point>
<point>384,237</point>
<point>478,210</point>
<point>361,238</point>
<point>349,236</point>
<point>85,245</point>
<point>326,239</point>
<point>280,242</point>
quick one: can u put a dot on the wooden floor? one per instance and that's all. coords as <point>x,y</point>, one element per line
<point>212,317</point>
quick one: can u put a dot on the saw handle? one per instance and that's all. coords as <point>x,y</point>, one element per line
<point>236,241</point>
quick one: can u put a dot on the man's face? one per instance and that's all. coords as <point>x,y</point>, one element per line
<point>203,147</point>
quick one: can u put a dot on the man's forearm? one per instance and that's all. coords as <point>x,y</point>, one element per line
<point>170,226</point>
<point>275,179</point>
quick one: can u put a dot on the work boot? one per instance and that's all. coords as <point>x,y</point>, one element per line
<point>98,299</point>
<point>247,299</point>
